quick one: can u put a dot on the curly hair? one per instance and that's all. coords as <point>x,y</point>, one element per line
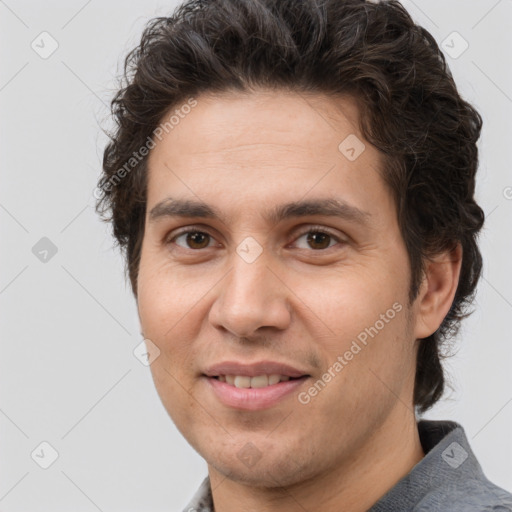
<point>409,104</point>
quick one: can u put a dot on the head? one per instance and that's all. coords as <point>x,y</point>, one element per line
<point>271,114</point>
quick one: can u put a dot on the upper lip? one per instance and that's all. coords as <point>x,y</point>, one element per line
<point>253,369</point>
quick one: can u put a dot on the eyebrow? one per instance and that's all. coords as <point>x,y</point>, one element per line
<point>328,207</point>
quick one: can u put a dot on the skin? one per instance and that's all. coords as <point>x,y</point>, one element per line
<point>301,302</point>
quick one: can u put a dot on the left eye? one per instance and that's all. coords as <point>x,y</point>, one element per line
<point>318,239</point>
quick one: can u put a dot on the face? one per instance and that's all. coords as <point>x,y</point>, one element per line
<point>272,258</point>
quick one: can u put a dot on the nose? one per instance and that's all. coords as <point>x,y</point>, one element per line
<point>252,296</point>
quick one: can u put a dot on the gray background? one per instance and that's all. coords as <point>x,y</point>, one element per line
<point>68,325</point>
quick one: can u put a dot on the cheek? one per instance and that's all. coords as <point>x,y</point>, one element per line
<point>162,298</point>
<point>168,318</point>
<point>366,369</point>
<point>173,390</point>
<point>367,344</point>
<point>350,303</point>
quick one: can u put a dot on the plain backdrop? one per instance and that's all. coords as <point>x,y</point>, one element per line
<point>68,323</point>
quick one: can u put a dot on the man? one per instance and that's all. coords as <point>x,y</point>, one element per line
<point>293,184</point>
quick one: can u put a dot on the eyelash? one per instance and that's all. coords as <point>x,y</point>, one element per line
<point>310,230</point>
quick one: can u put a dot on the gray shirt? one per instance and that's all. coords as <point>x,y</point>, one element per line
<point>447,479</point>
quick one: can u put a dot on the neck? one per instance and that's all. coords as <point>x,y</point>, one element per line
<point>354,485</point>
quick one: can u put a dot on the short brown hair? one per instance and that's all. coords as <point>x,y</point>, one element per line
<point>410,110</point>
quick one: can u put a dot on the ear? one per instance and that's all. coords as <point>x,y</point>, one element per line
<point>437,291</point>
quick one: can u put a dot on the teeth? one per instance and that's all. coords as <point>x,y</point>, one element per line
<point>242,382</point>
<point>274,379</point>
<point>260,381</point>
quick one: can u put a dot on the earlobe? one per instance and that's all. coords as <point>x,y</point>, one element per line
<point>437,291</point>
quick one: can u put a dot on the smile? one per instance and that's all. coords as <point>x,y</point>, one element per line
<point>242,394</point>
<point>260,381</point>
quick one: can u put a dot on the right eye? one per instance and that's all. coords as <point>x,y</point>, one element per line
<point>193,239</point>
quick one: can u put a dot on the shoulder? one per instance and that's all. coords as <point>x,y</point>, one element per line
<point>448,479</point>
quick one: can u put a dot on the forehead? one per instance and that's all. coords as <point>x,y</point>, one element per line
<point>253,144</point>
<point>219,124</point>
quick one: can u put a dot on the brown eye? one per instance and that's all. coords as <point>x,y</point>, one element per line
<point>198,240</point>
<point>318,240</point>
<point>193,240</point>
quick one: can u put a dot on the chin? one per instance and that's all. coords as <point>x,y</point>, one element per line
<point>269,468</point>
<point>269,476</point>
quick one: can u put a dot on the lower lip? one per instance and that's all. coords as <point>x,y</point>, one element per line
<point>253,399</point>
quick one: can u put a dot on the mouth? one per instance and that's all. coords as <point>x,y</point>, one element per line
<point>253,387</point>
